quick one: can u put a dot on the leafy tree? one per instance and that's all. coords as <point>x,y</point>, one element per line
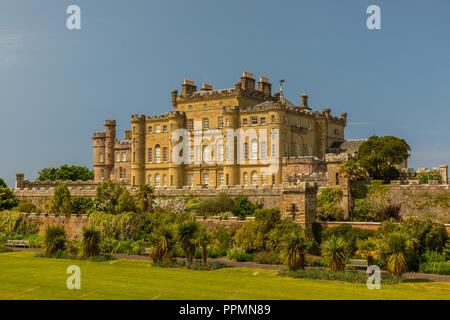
<point>82,204</point>
<point>336,249</point>
<point>185,235</point>
<point>245,207</point>
<point>145,197</point>
<point>328,205</point>
<point>25,206</point>
<point>295,246</point>
<point>61,201</point>
<point>425,177</point>
<point>7,199</point>
<point>3,183</point>
<point>65,173</point>
<point>91,241</point>
<point>125,202</point>
<point>379,155</point>
<point>107,196</point>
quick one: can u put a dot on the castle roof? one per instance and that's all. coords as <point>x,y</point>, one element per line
<point>348,145</point>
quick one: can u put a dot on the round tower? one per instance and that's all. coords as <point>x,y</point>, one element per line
<point>110,138</point>
<point>138,150</point>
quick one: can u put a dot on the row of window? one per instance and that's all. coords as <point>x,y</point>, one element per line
<point>120,173</point>
<point>157,154</point>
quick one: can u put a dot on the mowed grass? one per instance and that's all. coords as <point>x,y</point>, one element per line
<point>23,276</point>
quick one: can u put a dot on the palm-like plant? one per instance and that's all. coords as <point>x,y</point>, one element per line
<point>367,249</point>
<point>91,241</point>
<point>186,232</point>
<point>336,248</point>
<point>146,196</point>
<point>161,245</point>
<point>295,246</point>
<point>54,239</point>
<point>396,247</point>
<point>204,238</point>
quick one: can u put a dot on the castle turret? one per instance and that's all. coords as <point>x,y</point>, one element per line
<point>138,150</point>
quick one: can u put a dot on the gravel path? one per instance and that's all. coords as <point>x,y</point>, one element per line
<point>409,275</point>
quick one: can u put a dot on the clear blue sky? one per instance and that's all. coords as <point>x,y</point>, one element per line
<point>57,86</point>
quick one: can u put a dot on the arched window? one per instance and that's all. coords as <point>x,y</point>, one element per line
<point>245,179</point>
<point>150,179</point>
<point>157,180</point>
<point>254,149</point>
<point>254,177</point>
<point>157,154</point>
<point>164,180</point>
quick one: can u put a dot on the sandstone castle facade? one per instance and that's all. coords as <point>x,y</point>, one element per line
<point>147,154</point>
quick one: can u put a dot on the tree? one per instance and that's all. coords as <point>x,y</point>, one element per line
<point>379,155</point>
<point>204,238</point>
<point>328,205</point>
<point>145,197</point>
<point>3,183</point>
<point>65,173</point>
<point>295,246</point>
<point>62,201</point>
<point>336,248</point>
<point>125,202</point>
<point>161,244</point>
<point>7,199</point>
<point>107,196</point>
<point>91,241</point>
<point>425,177</point>
<point>245,207</point>
<point>186,233</point>
<point>367,249</point>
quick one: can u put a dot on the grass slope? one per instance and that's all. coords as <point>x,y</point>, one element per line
<point>24,276</point>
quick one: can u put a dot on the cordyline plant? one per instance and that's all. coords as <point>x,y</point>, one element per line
<point>295,246</point>
<point>335,248</point>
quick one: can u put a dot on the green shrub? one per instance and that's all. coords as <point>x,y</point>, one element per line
<point>223,238</point>
<point>9,221</point>
<point>62,201</point>
<point>81,205</point>
<point>336,249</point>
<point>5,249</point>
<point>425,177</point>
<point>315,261</point>
<point>351,235</point>
<point>267,257</point>
<point>346,276</point>
<point>120,226</point>
<point>7,199</point>
<point>433,256</point>
<point>74,247</point>
<point>244,207</point>
<point>54,240</point>
<point>25,206</point>
<point>138,247</point>
<point>123,247</point>
<point>435,267</point>
<point>35,241</point>
<point>91,240</point>
<point>238,254</point>
<point>432,236</point>
<point>361,210</point>
<point>108,245</point>
<point>328,205</point>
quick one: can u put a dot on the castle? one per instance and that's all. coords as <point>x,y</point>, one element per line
<point>238,136</point>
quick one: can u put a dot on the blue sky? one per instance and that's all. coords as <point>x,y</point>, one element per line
<point>57,86</point>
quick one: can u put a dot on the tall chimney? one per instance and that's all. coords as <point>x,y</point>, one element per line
<point>188,87</point>
<point>265,86</point>
<point>206,87</point>
<point>247,81</point>
<point>304,101</point>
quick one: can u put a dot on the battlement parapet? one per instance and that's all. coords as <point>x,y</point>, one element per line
<point>414,187</point>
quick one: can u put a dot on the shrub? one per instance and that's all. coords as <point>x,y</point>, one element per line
<point>238,254</point>
<point>244,207</point>
<point>186,236</point>
<point>61,201</point>
<point>425,177</point>
<point>162,244</point>
<point>121,226</point>
<point>82,204</point>
<point>433,256</point>
<point>351,235</point>
<point>91,240</point>
<point>5,249</point>
<point>54,239</point>
<point>295,246</point>
<point>347,276</point>
<point>328,205</point>
<point>25,206</point>
<point>74,247</point>
<point>223,238</point>
<point>361,210</point>
<point>435,267</point>
<point>125,202</point>
<point>315,261</point>
<point>107,196</point>
<point>396,248</point>
<point>336,249</point>
<point>432,236</point>
<point>267,257</point>
<point>7,199</point>
<point>34,241</point>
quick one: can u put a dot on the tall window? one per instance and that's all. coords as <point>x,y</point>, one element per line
<point>157,128</point>
<point>190,180</point>
<point>191,154</point>
<point>272,118</point>
<point>157,154</point>
<point>190,124</point>
<point>297,150</point>
<point>124,156</point>
<point>254,149</point>
<point>220,122</point>
<point>263,120</point>
<point>220,153</point>
<point>263,149</point>
<point>171,180</point>
<point>299,123</point>
<point>125,173</point>
<point>134,157</point>
<point>273,178</point>
<point>310,125</point>
<point>118,156</point>
<point>228,179</point>
<point>206,179</point>
<point>254,177</point>
<point>244,122</point>
<point>227,123</point>
<point>157,180</point>
<point>263,179</point>
<point>102,174</point>
<point>205,123</point>
<point>164,128</point>
<point>245,151</point>
<point>165,155</point>
<point>120,173</point>
<point>205,154</point>
<point>254,120</point>
<point>101,157</point>
<point>164,180</point>
<point>150,179</point>
<point>245,179</point>
<point>221,181</point>
<point>150,129</point>
<point>150,155</point>
<point>286,149</point>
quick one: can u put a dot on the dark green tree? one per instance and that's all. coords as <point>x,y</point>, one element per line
<point>62,200</point>
<point>7,199</point>
<point>107,196</point>
<point>66,172</point>
<point>3,183</point>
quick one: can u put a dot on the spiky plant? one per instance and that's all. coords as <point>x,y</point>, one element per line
<point>295,246</point>
<point>186,233</point>
<point>336,248</point>
<point>54,239</point>
<point>161,245</point>
<point>396,247</point>
<point>91,241</point>
<point>367,249</point>
<point>145,197</point>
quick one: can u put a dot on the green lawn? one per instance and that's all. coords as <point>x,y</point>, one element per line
<point>23,276</point>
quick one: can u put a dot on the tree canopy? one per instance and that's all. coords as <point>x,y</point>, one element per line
<point>66,172</point>
<point>3,183</point>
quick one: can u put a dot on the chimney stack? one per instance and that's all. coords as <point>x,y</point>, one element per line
<point>206,87</point>
<point>188,87</point>
<point>304,101</point>
<point>247,81</point>
<point>265,86</point>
